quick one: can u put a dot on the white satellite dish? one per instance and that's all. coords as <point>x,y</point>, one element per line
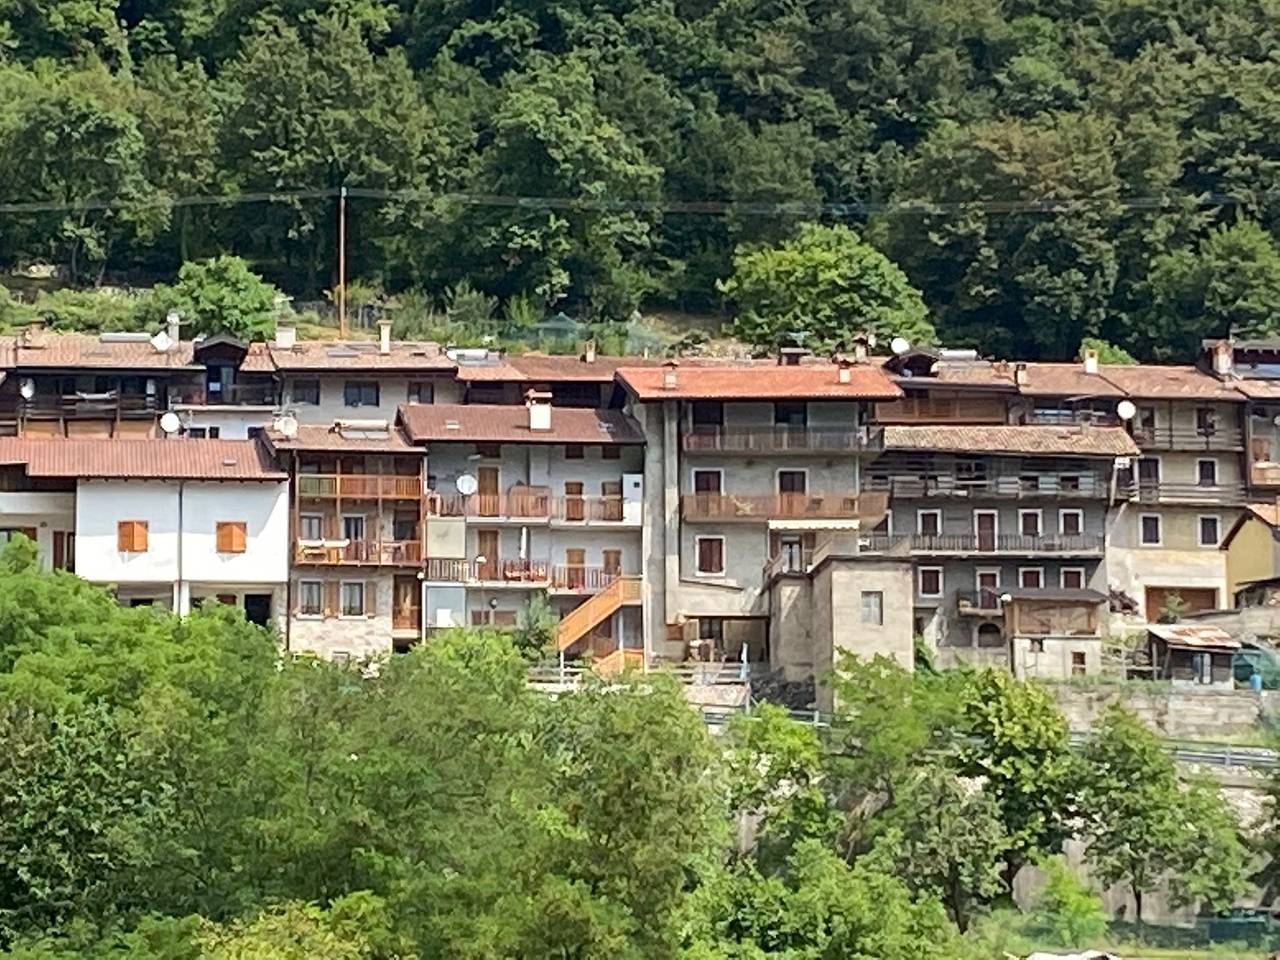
<point>1276,420</point>
<point>27,388</point>
<point>899,345</point>
<point>162,342</point>
<point>170,423</point>
<point>1125,410</point>
<point>466,484</point>
<point>287,426</point>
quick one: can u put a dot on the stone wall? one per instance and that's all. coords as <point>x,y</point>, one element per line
<point>1177,712</point>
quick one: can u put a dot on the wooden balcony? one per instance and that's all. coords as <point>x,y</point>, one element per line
<point>527,506</point>
<point>327,486</point>
<point>979,603</point>
<point>368,553</point>
<point>1083,486</point>
<point>781,440</point>
<point>782,506</point>
<point>942,409</point>
<point>1170,437</point>
<point>1264,473</point>
<point>534,573</point>
<point>90,406</point>
<point>1155,492</point>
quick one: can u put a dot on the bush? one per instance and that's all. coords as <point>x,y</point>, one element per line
<point>1070,908</point>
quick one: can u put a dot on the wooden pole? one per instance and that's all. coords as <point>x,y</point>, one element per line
<point>342,263</point>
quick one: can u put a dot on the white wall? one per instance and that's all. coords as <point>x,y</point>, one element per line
<point>393,390</point>
<point>45,512</point>
<point>262,506</point>
<point>232,424</point>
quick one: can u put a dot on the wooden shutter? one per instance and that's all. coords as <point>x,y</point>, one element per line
<point>332,599</point>
<point>232,536</point>
<point>59,550</point>
<point>612,562</point>
<point>370,598</point>
<point>131,536</point>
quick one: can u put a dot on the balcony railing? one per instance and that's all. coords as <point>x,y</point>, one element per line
<point>528,506</point>
<point>1083,486</point>
<point>1152,491</point>
<point>359,552</point>
<point>237,394</point>
<point>782,439</point>
<point>1071,417</point>
<point>781,506</point>
<point>359,486</point>
<point>538,573</point>
<point>89,406</point>
<point>1265,474</point>
<point>1014,544</point>
<point>984,602</point>
<point>406,618</point>
<point>1170,437</point>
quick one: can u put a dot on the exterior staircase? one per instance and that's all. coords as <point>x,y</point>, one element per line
<point>579,622</point>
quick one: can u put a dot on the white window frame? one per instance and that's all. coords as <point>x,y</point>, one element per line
<point>922,513</point>
<point>1159,518</point>
<point>1038,514</point>
<point>1216,519</point>
<point>364,600</point>
<point>995,531</point>
<point>777,479</point>
<point>1073,511</point>
<point>977,577</point>
<point>697,556</point>
<point>693,473</point>
<point>942,586</point>
<point>1217,473</point>
<point>1039,570</point>
<point>319,614</point>
<point>1062,577</point>
<point>862,608</point>
<point>310,516</point>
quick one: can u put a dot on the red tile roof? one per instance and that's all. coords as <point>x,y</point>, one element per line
<point>90,351</point>
<point>321,355</point>
<point>761,381</point>
<point>141,459</point>
<point>1075,441</point>
<point>494,423</point>
<point>1173,382</point>
<point>1066,380</point>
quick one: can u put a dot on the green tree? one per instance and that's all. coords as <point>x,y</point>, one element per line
<point>821,289</point>
<point>1070,908</point>
<point>1144,827</point>
<point>223,295</point>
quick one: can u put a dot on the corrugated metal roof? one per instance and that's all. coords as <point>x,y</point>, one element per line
<point>761,381</point>
<point>494,423</point>
<point>1080,440</point>
<point>141,459</point>
<point>1195,636</point>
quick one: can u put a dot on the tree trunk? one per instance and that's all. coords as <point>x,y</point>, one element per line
<point>1137,905</point>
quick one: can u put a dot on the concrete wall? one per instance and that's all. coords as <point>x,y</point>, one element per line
<point>1252,554</point>
<point>1177,712</point>
<point>231,424</point>
<point>355,637</point>
<point>1178,562</point>
<point>393,390</point>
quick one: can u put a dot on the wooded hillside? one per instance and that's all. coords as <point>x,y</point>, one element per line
<point>1041,171</point>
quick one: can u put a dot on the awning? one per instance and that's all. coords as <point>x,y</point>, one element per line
<point>1193,636</point>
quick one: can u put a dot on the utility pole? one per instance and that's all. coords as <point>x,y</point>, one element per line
<point>342,263</point>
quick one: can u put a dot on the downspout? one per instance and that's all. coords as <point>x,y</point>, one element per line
<point>182,486</point>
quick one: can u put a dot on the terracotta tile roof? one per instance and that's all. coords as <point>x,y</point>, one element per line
<point>547,368</point>
<point>1194,635</point>
<point>141,459</point>
<point>494,423</point>
<point>1172,382</point>
<point>1258,389</point>
<point>257,359</point>
<point>1074,441</point>
<point>89,351</point>
<point>1268,513</point>
<point>761,380</point>
<point>342,439</point>
<point>978,373</point>
<point>321,355</point>
<point>1067,380</point>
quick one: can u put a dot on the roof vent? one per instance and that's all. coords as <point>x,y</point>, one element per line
<point>843,372</point>
<point>229,461</point>
<point>539,404</point>
<point>791,356</point>
<point>452,425</point>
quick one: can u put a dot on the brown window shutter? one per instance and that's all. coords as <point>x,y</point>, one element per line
<point>59,550</point>
<point>231,536</point>
<point>224,537</point>
<point>124,536</point>
<point>140,536</point>
<point>331,599</point>
<point>241,538</point>
<point>370,598</point>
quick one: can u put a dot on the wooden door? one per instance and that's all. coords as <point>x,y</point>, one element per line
<point>487,481</point>
<point>575,563</point>
<point>575,506</point>
<point>793,487</point>
<point>405,603</point>
<point>611,500</point>
<point>984,526</point>
<point>487,554</point>
<point>988,582</point>
<point>1194,599</point>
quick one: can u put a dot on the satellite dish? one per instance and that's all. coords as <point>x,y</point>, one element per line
<point>27,388</point>
<point>1125,410</point>
<point>287,426</point>
<point>162,342</point>
<point>170,423</point>
<point>466,484</point>
<point>899,345</point>
<point>1276,420</point>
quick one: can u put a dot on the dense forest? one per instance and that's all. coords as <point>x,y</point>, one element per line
<point>174,789</point>
<point>1042,172</point>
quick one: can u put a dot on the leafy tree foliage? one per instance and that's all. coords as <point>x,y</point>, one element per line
<point>222,295</point>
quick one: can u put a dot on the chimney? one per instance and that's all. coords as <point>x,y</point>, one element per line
<point>539,404</point>
<point>384,336</point>
<point>286,335</point>
<point>669,375</point>
<point>1224,361</point>
<point>174,325</point>
<point>844,373</point>
<point>589,351</point>
<point>1020,374</point>
<point>1091,361</point>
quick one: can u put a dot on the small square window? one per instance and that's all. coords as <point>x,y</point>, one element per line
<point>310,527</point>
<point>306,392</point>
<point>1207,473</point>
<point>131,536</point>
<point>707,481</point>
<point>1031,578</point>
<point>710,555</point>
<point>1070,523</point>
<point>422,392</point>
<point>929,523</point>
<point>930,582</point>
<point>1078,665</point>
<point>310,598</point>
<point>610,452</point>
<point>1150,530</point>
<point>360,393</point>
<point>873,607</point>
<point>1071,578</point>
<point>1210,531</point>
<point>1029,523</point>
<point>574,451</point>
<point>353,599</point>
<point>232,536</point>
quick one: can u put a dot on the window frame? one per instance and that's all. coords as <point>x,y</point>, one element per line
<point>318,612</point>
<point>1201,461</point>
<point>575,451</point>
<point>342,600</point>
<point>1217,526</point>
<point>413,392</point>
<point>1062,578</point>
<point>932,568</point>
<point>1038,571</point>
<point>362,387</point>
<point>863,595</point>
<point>305,402</point>
<point>693,481</point>
<point>135,527</point>
<point>1142,540</point>
<point>236,539</point>
<point>318,518</point>
<point>777,481</point>
<point>1036,512</point>
<point>697,555</point>
<point>1076,512</point>
<point>930,511</point>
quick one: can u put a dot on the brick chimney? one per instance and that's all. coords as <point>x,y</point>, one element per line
<point>539,404</point>
<point>669,381</point>
<point>286,335</point>
<point>1224,360</point>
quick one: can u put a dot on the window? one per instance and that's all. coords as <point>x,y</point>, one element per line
<point>353,527</point>
<point>1206,421</point>
<point>611,562</point>
<point>1029,523</point>
<point>710,556</point>
<point>873,607</point>
<point>404,527</point>
<point>707,413</point>
<point>1207,473</point>
<point>610,453</point>
<point>310,526</point>
<point>423,392</point>
<point>197,433</point>
<point>1031,578</point>
<point>360,393</point>
<point>929,523</point>
<point>790,413</point>
<point>929,581</point>
<point>792,481</point>
<point>489,451</point>
<point>131,536</point>
<point>306,392</point>
<point>1210,532</point>
<point>1078,667</point>
<point>232,536</point>
<point>1070,523</point>
<point>1071,578</point>
<point>352,599</point>
<point>574,451</point>
<point>1149,530</point>
<point>708,481</point>
<point>310,598</point>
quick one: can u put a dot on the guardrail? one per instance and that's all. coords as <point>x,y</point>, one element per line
<point>780,506</point>
<point>1013,544</point>
<point>781,439</point>
<point>1168,437</point>
<point>1083,486</point>
<point>359,486</point>
<point>528,506</point>
<point>357,552</point>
